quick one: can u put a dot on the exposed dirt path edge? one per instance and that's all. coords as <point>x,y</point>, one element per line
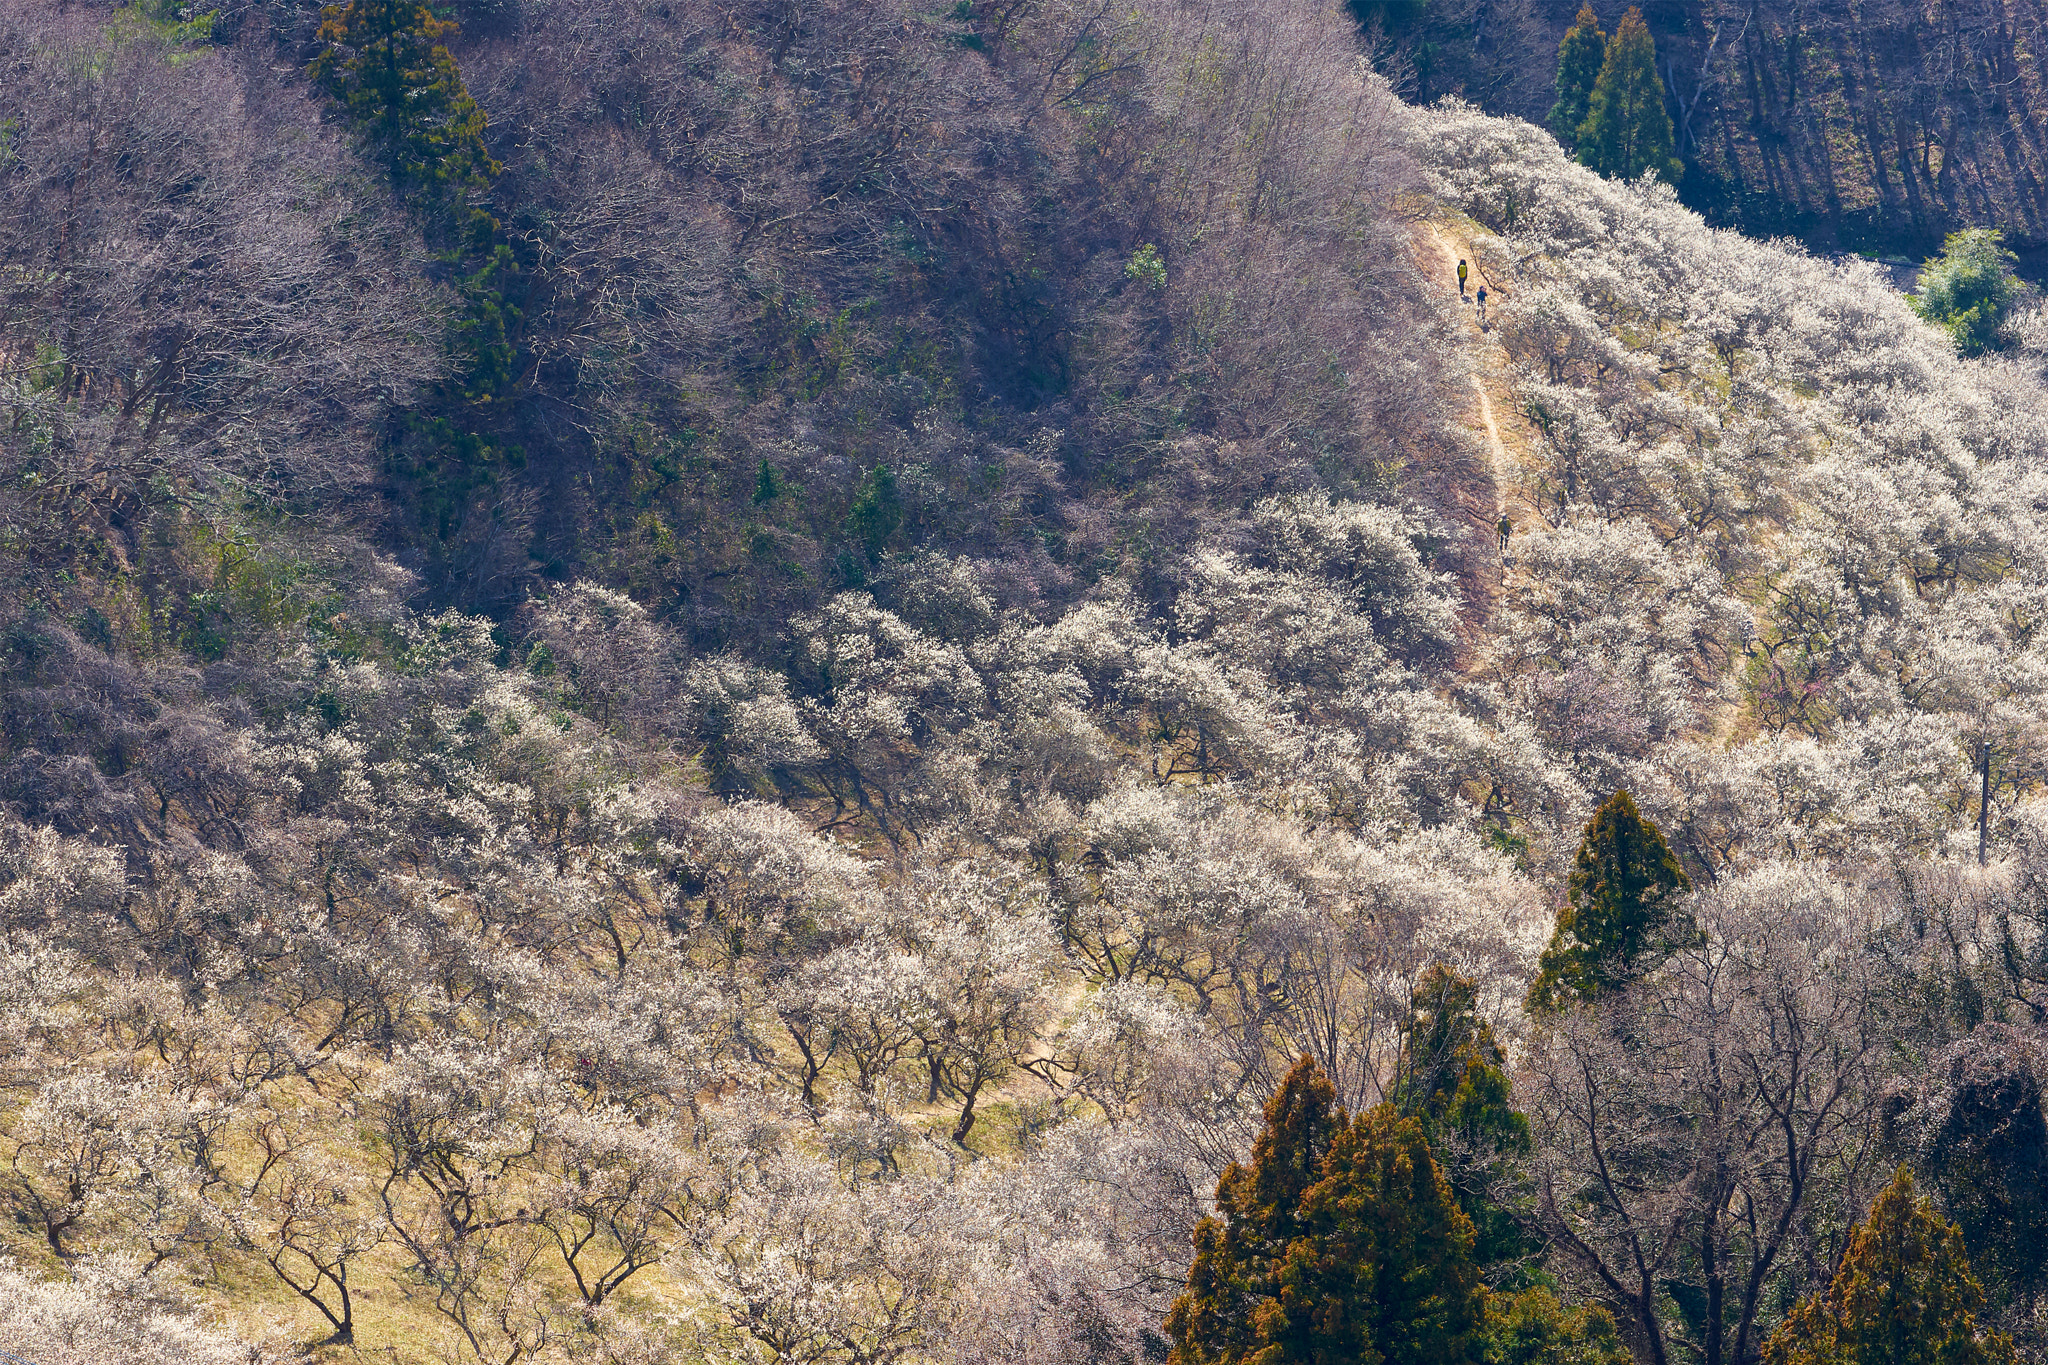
<point>1437,245</point>
<point>1496,449</point>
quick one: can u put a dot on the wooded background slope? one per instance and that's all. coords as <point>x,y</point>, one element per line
<point>1855,127</point>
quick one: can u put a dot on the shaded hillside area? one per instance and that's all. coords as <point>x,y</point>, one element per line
<point>779,290</point>
<point>1874,127</point>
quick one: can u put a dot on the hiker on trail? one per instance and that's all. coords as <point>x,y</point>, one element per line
<point>1461,279</point>
<point>1482,306</point>
<point>1504,528</point>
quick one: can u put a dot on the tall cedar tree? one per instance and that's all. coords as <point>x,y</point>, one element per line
<point>1621,908</point>
<point>1453,1080</point>
<point>1627,129</point>
<point>1578,68</point>
<point>387,65</point>
<point>1340,1242</point>
<point>877,510</point>
<point>1904,1296</point>
<point>1237,1258</point>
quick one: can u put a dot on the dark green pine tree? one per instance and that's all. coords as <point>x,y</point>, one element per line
<point>1452,1079</point>
<point>1578,68</point>
<point>1237,1257</point>
<point>1383,1271</point>
<point>1904,1296</point>
<point>767,484</point>
<point>1623,910</point>
<point>877,510</point>
<point>387,64</point>
<point>1627,130</point>
<point>1340,1242</point>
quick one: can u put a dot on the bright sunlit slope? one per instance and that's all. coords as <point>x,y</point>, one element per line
<point>1789,566</point>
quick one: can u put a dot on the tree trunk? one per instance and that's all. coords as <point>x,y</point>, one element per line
<point>1984,805</point>
<point>966,1124</point>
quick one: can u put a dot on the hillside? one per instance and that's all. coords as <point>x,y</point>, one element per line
<point>1873,128</point>
<point>745,708</point>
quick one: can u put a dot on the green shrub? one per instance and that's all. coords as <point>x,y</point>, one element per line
<point>1968,289</point>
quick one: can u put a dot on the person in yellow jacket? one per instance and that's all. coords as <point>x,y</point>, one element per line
<point>1461,279</point>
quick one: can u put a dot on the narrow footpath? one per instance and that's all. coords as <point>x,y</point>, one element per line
<point>1438,251</point>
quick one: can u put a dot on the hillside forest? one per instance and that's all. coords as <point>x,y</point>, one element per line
<point>1865,127</point>
<point>880,682</point>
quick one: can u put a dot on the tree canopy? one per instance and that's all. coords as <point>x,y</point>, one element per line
<point>1968,290</point>
<point>1341,1241</point>
<point>1622,908</point>
<point>387,63</point>
<point>1453,1080</point>
<point>1361,1256</point>
<point>1903,1296</point>
<point>1627,129</point>
<point>1534,1328</point>
<point>1579,60</point>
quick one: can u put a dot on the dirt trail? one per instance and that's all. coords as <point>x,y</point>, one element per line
<point>1490,359</point>
<point>1438,250</point>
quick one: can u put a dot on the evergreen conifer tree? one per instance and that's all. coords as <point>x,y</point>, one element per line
<point>1904,1296</point>
<point>1453,1080</point>
<point>767,483</point>
<point>1627,129</point>
<point>387,64</point>
<point>1237,1257</point>
<point>877,510</point>
<point>1621,909</point>
<point>1370,1260</point>
<point>1578,67</point>
<point>1384,1268</point>
<point>1533,1328</point>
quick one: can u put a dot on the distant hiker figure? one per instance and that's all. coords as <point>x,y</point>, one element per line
<point>1482,306</point>
<point>1505,527</point>
<point>1461,279</point>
